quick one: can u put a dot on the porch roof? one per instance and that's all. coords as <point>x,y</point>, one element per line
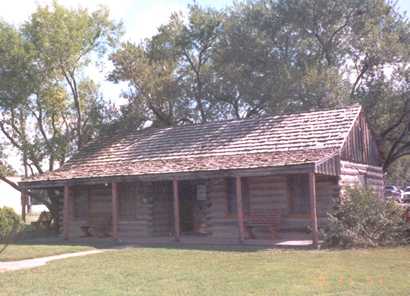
<point>271,141</point>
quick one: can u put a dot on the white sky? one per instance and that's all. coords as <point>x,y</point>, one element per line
<point>141,19</point>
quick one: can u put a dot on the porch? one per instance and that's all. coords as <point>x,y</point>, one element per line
<point>202,211</point>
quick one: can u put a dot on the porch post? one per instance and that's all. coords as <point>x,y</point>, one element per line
<point>66,212</point>
<point>313,209</point>
<point>23,205</point>
<point>176,210</point>
<point>240,209</point>
<point>114,188</point>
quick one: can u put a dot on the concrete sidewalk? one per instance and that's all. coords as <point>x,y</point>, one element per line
<point>36,262</point>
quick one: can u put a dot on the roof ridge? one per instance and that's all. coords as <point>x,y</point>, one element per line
<point>264,116</point>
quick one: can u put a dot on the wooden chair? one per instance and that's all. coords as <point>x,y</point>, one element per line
<point>43,221</point>
<point>269,219</point>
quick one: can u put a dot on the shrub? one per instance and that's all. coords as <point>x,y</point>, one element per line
<point>9,223</point>
<point>363,219</point>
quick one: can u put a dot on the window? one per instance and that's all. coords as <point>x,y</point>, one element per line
<point>80,206</point>
<point>298,186</point>
<point>127,202</point>
<point>232,207</point>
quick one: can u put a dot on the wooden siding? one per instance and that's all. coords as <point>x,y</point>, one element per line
<point>142,225</point>
<point>355,174</point>
<point>221,225</point>
<point>360,145</point>
<point>268,192</point>
<point>99,209</point>
<point>162,210</point>
<point>329,166</point>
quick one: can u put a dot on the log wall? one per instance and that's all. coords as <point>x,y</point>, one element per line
<point>141,224</point>
<point>355,174</point>
<point>154,206</point>
<point>360,145</point>
<point>221,225</point>
<point>268,192</point>
<point>162,209</point>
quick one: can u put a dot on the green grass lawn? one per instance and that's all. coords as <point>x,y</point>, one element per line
<point>161,271</point>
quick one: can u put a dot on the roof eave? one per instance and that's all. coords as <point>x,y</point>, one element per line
<point>246,172</point>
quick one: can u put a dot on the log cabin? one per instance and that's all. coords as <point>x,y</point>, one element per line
<point>229,181</point>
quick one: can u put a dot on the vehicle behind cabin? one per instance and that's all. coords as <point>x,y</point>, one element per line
<point>394,193</point>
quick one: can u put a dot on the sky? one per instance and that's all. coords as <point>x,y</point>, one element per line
<point>141,18</point>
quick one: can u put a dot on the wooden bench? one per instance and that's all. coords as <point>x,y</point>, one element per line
<point>98,226</point>
<point>269,219</point>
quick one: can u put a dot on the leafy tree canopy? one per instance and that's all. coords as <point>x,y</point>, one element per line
<point>272,57</point>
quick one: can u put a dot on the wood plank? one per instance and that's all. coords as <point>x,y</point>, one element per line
<point>66,214</point>
<point>23,205</point>
<point>176,210</point>
<point>313,209</point>
<point>240,209</point>
<point>114,189</point>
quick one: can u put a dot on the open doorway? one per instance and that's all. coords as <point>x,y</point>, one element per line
<point>193,208</point>
<point>186,206</point>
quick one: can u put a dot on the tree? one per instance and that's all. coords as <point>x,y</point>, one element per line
<point>272,57</point>
<point>49,107</point>
<point>170,77</point>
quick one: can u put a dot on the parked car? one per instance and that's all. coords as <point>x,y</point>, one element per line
<point>393,192</point>
<point>406,195</point>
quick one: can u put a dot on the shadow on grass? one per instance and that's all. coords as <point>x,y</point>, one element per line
<point>105,243</point>
<point>59,241</point>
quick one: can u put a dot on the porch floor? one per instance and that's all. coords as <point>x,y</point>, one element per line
<point>206,241</point>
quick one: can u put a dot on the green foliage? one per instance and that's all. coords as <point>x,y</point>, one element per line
<point>5,168</point>
<point>49,106</point>
<point>171,77</point>
<point>363,219</point>
<point>9,223</point>
<point>399,172</point>
<point>252,58</point>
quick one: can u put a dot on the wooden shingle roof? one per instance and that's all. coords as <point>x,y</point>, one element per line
<point>237,144</point>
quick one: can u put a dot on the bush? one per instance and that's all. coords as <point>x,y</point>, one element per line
<point>9,223</point>
<point>363,219</point>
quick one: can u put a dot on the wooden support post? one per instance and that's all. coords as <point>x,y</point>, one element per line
<point>66,212</point>
<point>114,188</point>
<point>240,209</point>
<point>23,205</point>
<point>313,209</point>
<point>177,225</point>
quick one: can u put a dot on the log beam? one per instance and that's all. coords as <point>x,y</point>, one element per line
<point>23,205</point>
<point>313,209</point>
<point>114,189</point>
<point>177,225</point>
<point>239,204</point>
<point>66,212</point>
